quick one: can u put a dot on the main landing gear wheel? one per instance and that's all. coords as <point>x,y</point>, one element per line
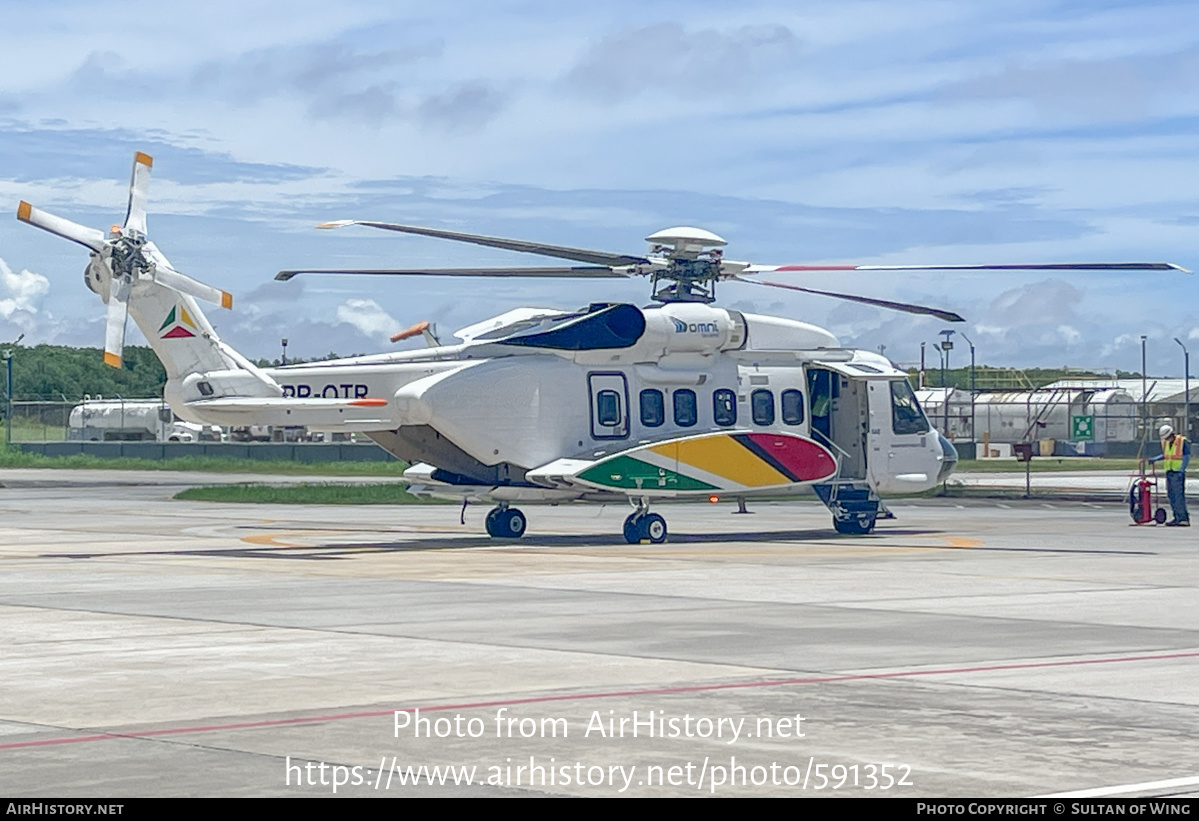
<point>506,523</point>
<point>632,529</point>
<point>854,526</point>
<point>645,526</point>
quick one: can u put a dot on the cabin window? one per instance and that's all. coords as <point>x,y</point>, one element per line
<point>906,416</point>
<point>653,408</point>
<point>685,408</point>
<point>762,405</point>
<point>724,407</point>
<point>607,408</point>
<point>610,416</point>
<point>792,401</point>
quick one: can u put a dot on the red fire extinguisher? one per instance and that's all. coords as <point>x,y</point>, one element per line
<point>1141,501</point>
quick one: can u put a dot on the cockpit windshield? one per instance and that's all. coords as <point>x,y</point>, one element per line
<point>906,415</point>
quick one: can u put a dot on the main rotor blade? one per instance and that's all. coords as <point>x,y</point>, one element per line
<point>165,275</point>
<point>87,237</point>
<point>948,316</point>
<point>1042,266</point>
<point>570,272</point>
<point>114,330</point>
<point>139,184</point>
<point>559,251</point>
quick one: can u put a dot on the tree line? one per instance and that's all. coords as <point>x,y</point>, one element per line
<point>57,372</point>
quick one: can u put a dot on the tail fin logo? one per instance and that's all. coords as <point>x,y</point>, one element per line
<point>177,325</point>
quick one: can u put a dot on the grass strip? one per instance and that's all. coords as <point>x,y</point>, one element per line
<point>15,458</point>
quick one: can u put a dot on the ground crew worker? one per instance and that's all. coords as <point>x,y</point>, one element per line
<point>1176,455</point>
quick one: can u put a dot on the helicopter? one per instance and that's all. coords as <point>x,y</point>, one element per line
<point>678,399</point>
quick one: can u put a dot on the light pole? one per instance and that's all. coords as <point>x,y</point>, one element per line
<point>8,400</point>
<point>8,394</point>
<point>944,396</point>
<point>973,436</point>
<point>921,379</point>
<point>1186,379</point>
<point>1144,395</point>
<point>946,346</point>
<point>284,362</point>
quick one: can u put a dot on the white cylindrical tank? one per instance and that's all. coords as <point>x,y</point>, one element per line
<point>109,420</point>
<point>1008,416</point>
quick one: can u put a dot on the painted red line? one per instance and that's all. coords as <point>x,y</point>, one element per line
<point>658,691</point>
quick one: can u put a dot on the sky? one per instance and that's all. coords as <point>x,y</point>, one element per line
<point>818,132</point>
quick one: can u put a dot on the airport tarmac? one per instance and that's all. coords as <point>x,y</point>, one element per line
<point>967,648</point>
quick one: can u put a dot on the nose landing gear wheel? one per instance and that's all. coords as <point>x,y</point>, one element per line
<point>645,526</point>
<point>854,526</point>
<point>506,523</point>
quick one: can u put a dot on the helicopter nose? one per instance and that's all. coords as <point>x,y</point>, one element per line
<point>949,457</point>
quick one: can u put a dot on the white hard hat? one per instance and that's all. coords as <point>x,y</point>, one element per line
<point>1164,431</point>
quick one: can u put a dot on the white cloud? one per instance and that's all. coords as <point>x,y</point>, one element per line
<point>1069,335</point>
<point>369,318</point>
<point>21,292</point>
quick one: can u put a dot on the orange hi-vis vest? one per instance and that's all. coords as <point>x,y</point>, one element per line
<point>1172,453</point>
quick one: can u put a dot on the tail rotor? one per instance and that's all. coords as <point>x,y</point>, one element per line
<point>123,258</point>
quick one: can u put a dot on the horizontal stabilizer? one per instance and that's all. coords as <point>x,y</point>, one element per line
<point>253,404</point>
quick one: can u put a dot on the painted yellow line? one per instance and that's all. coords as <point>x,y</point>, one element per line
<point>272,539</point>
<point>961,541</point>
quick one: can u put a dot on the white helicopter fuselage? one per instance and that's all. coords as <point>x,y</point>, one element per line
<point>675,402</point>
